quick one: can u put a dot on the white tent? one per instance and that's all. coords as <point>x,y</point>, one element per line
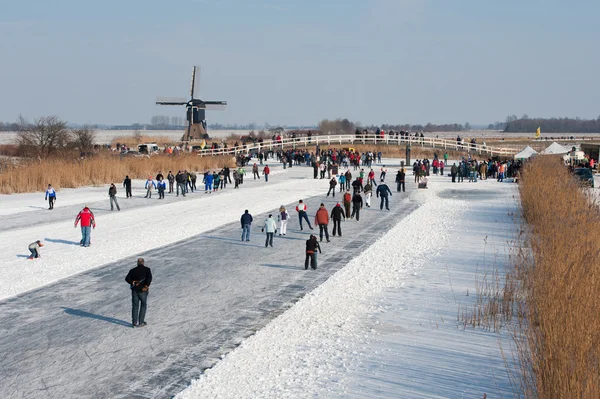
<point>555,148</point>
<point>527,153</point>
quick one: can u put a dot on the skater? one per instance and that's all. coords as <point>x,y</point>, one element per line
<point>382,191</point>
<point>271,228</point>
<point>400,178</point>
<point>242,172</point>
<point>322,219</point>
<point>266,172</point>
<point>127,185</point>
<point>283,218</point>
<point>149,184</point>
<point>301,209</point>
<point>34,248</point>
<point>171,179</point>
<point>383,172</point>
<point>255,171</point>
<point>162,185</point>
<point>246,221</point>
<point>236,178</point>
<point>312,246</point>
<point>368,191</point>
<point>348,176</point>
<point>180,179</point>
<point>208,182</point>
<point>50,196</point>
<point>332,184</point>
<point>453,172</point>
<point>337,214</point>
<point>347,202</point>
<point>139,279</point>
<point>86,216</point>
<point>357,204</point>
<point>342,181</point>
<point>112,193</point>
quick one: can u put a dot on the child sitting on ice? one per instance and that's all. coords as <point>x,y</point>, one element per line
<point>423,182</point>
<point>34,248</point>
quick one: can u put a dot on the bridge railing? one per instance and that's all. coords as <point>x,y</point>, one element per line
<point>350,140</point>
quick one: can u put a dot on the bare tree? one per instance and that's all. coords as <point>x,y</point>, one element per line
<point>84,138</point>
<point>44,137</point>
<point>137,135</point>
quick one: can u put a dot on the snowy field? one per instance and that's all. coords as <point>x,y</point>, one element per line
<point>380,320</point>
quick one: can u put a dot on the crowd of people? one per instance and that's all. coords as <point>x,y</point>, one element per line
<point>351,175</point>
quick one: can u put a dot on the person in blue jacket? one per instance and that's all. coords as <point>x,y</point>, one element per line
<point>383,191</point>
<point>50,196</point>
<point>208,182</point>
<point>162,185</point>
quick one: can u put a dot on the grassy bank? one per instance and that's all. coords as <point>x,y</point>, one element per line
<point>99,170</point>
<point>559,337</point>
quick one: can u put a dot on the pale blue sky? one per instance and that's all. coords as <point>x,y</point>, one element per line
<point>297,62</point>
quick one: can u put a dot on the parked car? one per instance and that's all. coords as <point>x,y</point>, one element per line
<point>149,148</point>
<point>585,176</point>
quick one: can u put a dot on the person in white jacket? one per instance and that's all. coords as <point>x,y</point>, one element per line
<point>283,218</point>
<point>271,227</point>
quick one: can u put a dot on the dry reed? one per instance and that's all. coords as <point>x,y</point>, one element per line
<point>102,169</point>
<point>558,334</point>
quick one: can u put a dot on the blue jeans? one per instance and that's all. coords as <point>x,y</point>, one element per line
<point>266,177</point>
<point>34,253</point>
<point>246,232</point>
<point>302,215</point>
<point>86,235</point>
<point>138,313</point>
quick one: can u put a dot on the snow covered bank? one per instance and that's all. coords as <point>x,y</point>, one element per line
<point>340,341</point>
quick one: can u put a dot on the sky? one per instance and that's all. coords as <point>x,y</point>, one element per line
<point>298,62</point>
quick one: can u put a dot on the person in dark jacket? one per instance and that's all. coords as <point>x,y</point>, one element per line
<point>171,179</point>
<point>246,221</point>
<point>139,279</point>
<point>400,178</point>
<point>332,184</point>
<point>337,214</point>
<point>357,186</point>
<point>312,246</point>
<point>382,192</point>
<point>112,193</point>
<point>357,204</point>
<point>127,185</point>
<point>180,179</point>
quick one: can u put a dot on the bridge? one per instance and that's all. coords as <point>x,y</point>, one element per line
<point>351,139</point>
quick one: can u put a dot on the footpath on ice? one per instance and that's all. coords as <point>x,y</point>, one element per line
<point>72,338</point>
<point>385,326</point>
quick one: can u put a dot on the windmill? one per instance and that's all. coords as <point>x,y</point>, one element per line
<point>196,107</point>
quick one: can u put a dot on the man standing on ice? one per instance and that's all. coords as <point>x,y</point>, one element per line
<point>322,219</point>
<point>127,185</point>
<point>149,185</point>
<point>312,246</point>
<point>383,191</point>
<point>266,172</point>
<point>112,193</point>
<point>337,213</point>
<point>86,217</point>
<point>139,279</point>
<point>246,221</point>
<point>171,179</point>
<point>50,196</point>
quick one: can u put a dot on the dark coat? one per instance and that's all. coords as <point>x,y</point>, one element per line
<point>127,183</point>
<point>312,246</point>
<point>112,191</point>
<point>357,200</point>
<point>383,190</point>
<point>337,213</point>
<point>246,219</point>
<point>142,275</point>
<point>400,177</point>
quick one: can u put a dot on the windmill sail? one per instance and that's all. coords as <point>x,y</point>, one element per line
<point>170,101</point>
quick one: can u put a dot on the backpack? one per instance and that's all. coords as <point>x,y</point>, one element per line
<point>347,197</point>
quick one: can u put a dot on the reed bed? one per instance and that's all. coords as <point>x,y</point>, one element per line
<point>99,170</point>
<point>558,333</point>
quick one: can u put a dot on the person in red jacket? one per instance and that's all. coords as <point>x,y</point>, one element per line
<point>86,217</point>
<point>322,219</point>
<point>266,172</point>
